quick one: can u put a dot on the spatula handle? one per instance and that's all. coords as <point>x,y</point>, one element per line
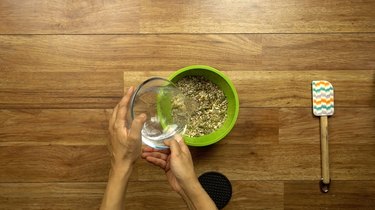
<point>324,149</point>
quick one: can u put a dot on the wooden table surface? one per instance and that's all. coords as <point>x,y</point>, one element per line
<point>64,65</point>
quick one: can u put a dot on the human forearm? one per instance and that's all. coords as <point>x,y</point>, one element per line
<point>124,147</point>
<point>116,187</point>
<point>187,200</point>
<point>196,197</point>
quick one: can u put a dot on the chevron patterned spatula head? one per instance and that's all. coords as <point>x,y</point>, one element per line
<point>323,104</point>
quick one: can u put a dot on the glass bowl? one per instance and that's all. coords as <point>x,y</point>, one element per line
<point>167,109</point>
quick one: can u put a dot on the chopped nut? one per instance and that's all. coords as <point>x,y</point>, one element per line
<point>210,108</point>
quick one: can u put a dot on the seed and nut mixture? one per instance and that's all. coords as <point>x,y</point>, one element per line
<point>210,108</point>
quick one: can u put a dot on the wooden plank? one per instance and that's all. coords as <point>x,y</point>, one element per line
<point>346,126</point>
<point>151,195</point>
<point>266,162</point>
<point>254,126</point>
<point>113,17</point>
<point>246,195</point>
<point>125,52</point>
<point>227,52</point>
<point>60,90</point>
<point>51,195</point>
<point>238,162</point>
<point>288,88</point>
<point>54,127</point>
<point>293,88</point>
<point>278,162</point>
<point>68,17</point>
<point>256,195</point>
<point>316,51</point>
<point>257,16</point>
<point>55,163</point>
<point>104,90</point>
<point>342,195</point>
<point>140,195</point>
<point>32,127</point>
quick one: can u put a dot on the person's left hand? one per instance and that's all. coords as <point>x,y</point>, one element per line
<point>125,144</point>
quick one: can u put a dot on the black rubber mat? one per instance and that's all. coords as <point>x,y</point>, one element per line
<point>217,186</point>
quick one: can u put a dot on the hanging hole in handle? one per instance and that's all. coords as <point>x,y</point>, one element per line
<point>324,188</point>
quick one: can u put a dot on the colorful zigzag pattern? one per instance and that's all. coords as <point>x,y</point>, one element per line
<point>323,104</point>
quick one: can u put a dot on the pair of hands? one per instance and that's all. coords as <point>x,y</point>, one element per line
<point>125,145</point>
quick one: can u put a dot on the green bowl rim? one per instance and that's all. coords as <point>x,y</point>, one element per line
<point>236,111</point>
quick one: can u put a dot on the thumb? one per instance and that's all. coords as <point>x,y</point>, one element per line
<point>137,124</point>
<point>181,143</point>
<point>174,146</point>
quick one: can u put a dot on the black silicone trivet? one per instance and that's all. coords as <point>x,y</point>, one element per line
<point>217,186</point>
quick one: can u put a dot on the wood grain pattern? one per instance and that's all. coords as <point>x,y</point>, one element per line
<point>254,126</point>
<point>251,162</point>
<point>289,88</point>
<point>51,195</point>
<point>346,126</point>
<point>60,90</point>
<point>104,90</point>
<point>54,163</point>
<point>245,52</point>
<point>68,17</point>
<point>64,65</point>
<point>85,196</point>
<point>256,195</point>
<point>118,16</point>
<point>293,88</point>
<point>246,195</point>
<point>277,162</point>
<point>158,194</point>
<point>54,127</point>
<point>306,195</point>
<point>257,16</point>
<point>37,127</point>
<point>317,51</point>
<point>289,162</point>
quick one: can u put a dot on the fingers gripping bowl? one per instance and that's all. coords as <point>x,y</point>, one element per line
<point>225,84</point>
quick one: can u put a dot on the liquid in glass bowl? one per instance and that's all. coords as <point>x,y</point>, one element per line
<point>168,110</point>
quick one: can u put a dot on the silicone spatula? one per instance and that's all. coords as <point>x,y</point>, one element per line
<point>323,106</point>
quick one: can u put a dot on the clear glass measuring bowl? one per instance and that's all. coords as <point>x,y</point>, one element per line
<point>168,110</point>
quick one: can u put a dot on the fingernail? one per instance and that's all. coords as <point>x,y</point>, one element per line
<point>130,89</point>
<point>143,116</point>
<point>178,138</point>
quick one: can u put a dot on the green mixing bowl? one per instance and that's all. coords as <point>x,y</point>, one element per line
<point>230,92</point>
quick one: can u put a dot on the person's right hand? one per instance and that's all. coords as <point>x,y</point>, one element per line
<point>176,162</point>
<point>178,166</point>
